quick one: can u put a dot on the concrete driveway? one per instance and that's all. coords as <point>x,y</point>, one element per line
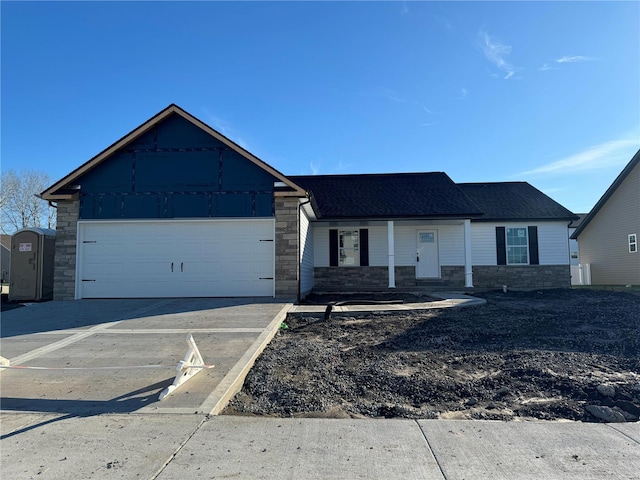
<point>99,424</point>
<point>131,334</point>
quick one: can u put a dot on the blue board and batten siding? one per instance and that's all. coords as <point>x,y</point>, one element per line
<point>176,170</point>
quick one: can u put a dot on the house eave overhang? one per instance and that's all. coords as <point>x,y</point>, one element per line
<point>53,192</point>
<point>526,219</point>
<point>351,218</point>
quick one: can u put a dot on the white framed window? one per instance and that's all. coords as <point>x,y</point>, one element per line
<point>348,248</point>
<point>517,246</point>
<point>633,243</point>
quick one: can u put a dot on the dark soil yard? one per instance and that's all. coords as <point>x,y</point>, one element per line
<point>548,354</point>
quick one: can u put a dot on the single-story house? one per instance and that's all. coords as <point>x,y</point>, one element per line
<point>608,236</point>
<point>176,209</point>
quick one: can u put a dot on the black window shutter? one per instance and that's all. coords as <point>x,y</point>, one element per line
<point>501,248</point>
<point>533,246</point>
<point>333,248</point>
<point>364,247</point>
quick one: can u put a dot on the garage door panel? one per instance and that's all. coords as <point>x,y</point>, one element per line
<point>210,258</point>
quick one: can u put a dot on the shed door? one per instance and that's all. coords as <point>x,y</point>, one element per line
<point>25,247</point>
<point>220,258</point>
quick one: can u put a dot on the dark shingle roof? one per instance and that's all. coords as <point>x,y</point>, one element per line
<point>578,222</point>
<point>514,201</point>
<point>387,195</point>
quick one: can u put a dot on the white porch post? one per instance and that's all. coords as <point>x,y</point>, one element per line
<point>392,261</point>
<point>468,271</point>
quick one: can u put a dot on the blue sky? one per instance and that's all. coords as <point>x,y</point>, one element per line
<point>544,92</point>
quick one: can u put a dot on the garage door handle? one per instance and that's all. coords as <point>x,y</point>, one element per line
<point>181,265</point>
<point>172,266</point>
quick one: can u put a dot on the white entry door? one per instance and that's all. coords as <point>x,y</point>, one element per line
<point>177,258</point>
<point>427,261</point>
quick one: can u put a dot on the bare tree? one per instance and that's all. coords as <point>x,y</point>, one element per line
<point>19,204</point>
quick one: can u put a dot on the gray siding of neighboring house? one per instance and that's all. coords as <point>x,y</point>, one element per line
<point>604,241</point>
<point>5,263</point>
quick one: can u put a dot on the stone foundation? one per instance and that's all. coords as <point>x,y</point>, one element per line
<point>64,270</point>
<point>525,276</point>
<point>377,278</point>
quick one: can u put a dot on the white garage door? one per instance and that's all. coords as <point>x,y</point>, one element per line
<point>181,258</point>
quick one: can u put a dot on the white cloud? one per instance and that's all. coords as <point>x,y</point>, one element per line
<point>431,112</point>
<point>389,94</point>
<point>428,124</point>
<point>545,67</point>
<point>225,128</point>
<point>604,155</point>
<point>574,59</point>
<point>496,53</point>
<point>463,93</point>
<point>343,166</point>
<point>315,170</point>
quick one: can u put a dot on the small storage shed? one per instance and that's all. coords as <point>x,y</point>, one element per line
<point>32,261</point>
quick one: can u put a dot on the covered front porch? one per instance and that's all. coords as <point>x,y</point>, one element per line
<point>379,255</point>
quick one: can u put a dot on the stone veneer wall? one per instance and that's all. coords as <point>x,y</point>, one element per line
<point>525,276</point>
<point>377,278</point>
<point>64,270</point>
<point>488,276</point>
<point>287,249</point>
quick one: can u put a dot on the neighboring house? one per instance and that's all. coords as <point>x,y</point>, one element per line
<point>5,257</point>
<point>576,276</point>
<point>176,209</point>
<point>573,243</point>
<point>608,236</point>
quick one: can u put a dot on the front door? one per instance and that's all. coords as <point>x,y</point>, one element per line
<point>427,262</point>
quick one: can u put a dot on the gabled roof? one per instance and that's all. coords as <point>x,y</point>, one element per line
<point>514,201</point>
<point>52,193</point>
<point>607,195</point>
<point>386,196</point>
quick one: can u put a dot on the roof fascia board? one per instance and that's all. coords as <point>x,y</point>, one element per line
<point>608,194</point>
<point>461,216</point>
<point>497,220</point>
<point>137,132</point>
<point>85,167</point>
<point>61,196</point>
<point>290,194</point>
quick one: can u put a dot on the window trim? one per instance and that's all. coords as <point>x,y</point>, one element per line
<point>633,245</point>
<point>356,249</point>
<point>526,245</point>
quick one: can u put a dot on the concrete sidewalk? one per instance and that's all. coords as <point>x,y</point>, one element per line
<point>174,447</point>
<point>441,300</point>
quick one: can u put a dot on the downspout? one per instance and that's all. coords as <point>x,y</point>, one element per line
<point>300,250</point>
<point>569,251</point>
